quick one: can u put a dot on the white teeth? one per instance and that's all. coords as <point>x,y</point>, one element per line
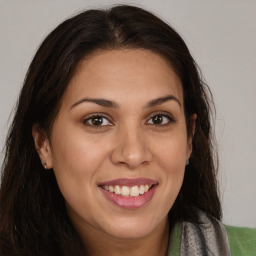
<point>146,188</point>
<point>128,191</point>
<point>118,190</point>
<point>125,191</point>
<point>142,189</point>
<point>134,191</point>
<point>105,187</point>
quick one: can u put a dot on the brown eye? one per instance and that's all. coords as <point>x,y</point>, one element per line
<point>97,121</point>
<point>160,119</point>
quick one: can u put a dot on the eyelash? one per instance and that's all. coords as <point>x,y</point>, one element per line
<point>163,115</point>
<point>90,118</point>
<point>160,114</point>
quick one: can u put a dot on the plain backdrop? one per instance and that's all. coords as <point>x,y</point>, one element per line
<point>221,36</point>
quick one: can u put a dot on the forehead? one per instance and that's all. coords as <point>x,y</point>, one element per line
<point>124,73</point>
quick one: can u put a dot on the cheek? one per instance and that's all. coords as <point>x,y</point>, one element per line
<point>76,160</point>
<point>171,157</point>
<point>73,150</point>
<point>73,156</point>
<point>172,152</point>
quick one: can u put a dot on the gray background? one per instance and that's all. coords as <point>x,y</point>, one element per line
<point>222,38</point>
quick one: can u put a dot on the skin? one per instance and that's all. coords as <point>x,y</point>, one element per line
<point>128,144</point>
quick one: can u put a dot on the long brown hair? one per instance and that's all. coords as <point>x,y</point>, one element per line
<point>33,218</point>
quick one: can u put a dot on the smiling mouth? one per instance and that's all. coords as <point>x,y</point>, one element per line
<point>127,191</point>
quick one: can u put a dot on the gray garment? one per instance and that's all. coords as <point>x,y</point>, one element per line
<point>209,238</point>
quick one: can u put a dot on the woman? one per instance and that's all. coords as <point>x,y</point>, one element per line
<point>110,150</point>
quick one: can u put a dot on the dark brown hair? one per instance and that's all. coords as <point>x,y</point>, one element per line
<point>33,219</point>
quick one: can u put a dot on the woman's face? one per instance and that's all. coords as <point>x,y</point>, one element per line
<point>119,144</point>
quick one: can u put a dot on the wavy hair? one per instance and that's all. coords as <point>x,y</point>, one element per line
<point>33,218</point>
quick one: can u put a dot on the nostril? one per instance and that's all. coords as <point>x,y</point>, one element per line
<point>131,153</point>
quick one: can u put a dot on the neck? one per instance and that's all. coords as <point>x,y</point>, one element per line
<point>99,244</point>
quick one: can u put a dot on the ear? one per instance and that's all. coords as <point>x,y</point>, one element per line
<point>42,146</point>
<point>190,137</point>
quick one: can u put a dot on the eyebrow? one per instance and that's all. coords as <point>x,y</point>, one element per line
<point>112,104</point>
<point>101,102</point>
<point>162,100</point>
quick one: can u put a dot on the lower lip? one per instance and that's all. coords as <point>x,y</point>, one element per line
<point>130,202</point>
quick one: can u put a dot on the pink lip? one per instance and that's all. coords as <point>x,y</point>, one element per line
<point>129,182</point>
<point>129,202</point>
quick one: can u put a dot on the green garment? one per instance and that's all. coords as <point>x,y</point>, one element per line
<point>242,241</point>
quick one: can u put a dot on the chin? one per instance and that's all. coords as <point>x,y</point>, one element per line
<point>130,233</point>
<point>128,228</point>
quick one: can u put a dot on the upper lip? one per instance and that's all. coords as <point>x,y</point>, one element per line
<point>129,182</point>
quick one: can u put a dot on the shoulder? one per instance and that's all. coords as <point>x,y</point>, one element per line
<point>242,241</point>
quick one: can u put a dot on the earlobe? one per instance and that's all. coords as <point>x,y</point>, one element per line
<point>190,139</point>
<point>193,120</point>
<point>42,146</point>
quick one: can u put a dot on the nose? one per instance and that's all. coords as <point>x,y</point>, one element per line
<point>131,149</point>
